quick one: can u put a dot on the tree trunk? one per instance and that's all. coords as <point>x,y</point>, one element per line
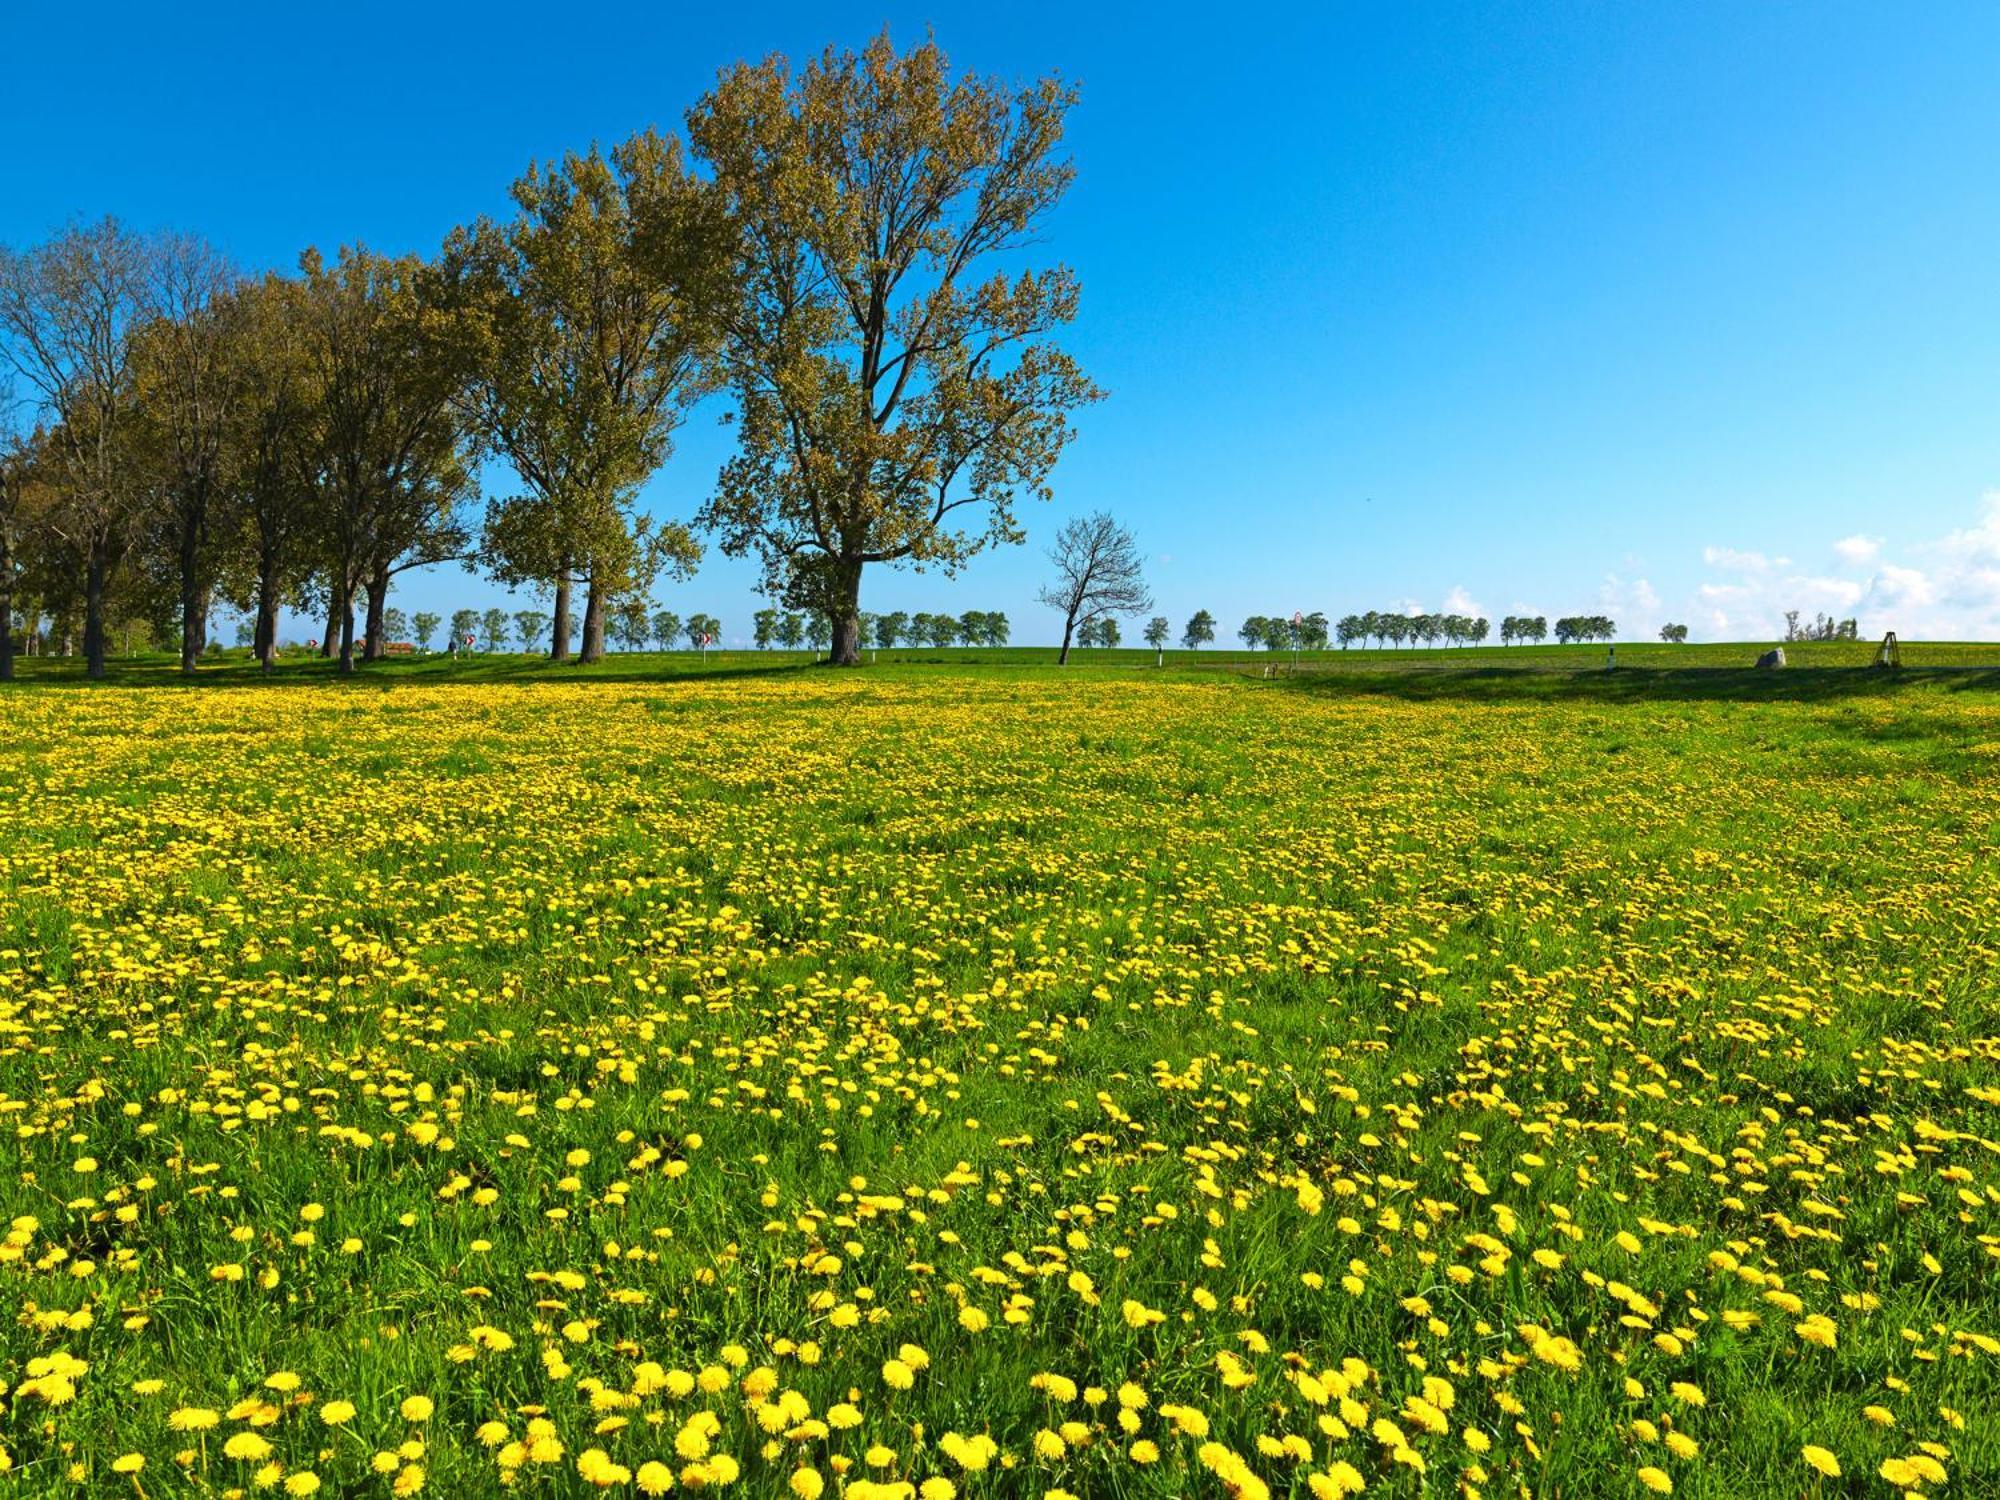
<point>330,642</point>
<point>346,631</point>
<point>194,595</point>
<point>844,614</point>
<point>6,606</point>
<point>559,633</point>
<point>593,626</point>
<point>267,609</point>
<point>94,572</point>
<point>378,602</point>
<point>267,626</point>
<point>1069,631</point>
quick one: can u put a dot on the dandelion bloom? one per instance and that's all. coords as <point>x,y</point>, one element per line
<point>251,1447</point>
<point>1656,1480</point>
<point>1820,1460</point>
<point>1900,1472</point>
<point>1818,1329</point>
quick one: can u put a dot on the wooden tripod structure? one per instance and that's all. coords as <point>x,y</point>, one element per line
<point>1891,655</point>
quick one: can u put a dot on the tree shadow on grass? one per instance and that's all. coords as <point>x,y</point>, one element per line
<point>1501,685</point>
<point>431,672</point>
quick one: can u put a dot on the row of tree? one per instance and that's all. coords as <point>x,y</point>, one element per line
<point>1310,632</point>
<point>836,251</point>
<point>1821,628</point>
<point>634,625</point>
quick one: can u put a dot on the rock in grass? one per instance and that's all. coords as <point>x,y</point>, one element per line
<point>1775,657</point>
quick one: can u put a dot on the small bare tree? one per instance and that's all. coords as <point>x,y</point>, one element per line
<point>1098,575</point>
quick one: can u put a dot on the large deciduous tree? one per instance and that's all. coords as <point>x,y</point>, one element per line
<point>1099,574</point>
<point>389,362</point>
<point>67,311</point>
<point>897,389</point>
<point>275,516</point>
<point>598,308</point>
<point>188,373</point>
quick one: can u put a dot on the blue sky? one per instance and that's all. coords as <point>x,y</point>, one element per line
<point>1675,311</point>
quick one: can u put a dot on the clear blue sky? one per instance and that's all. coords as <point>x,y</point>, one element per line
<point>1677,311</point>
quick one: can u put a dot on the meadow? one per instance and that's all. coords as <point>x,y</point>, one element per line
<point>996,1082</point>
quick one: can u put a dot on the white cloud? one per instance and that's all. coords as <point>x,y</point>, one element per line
<point>1896,587</point>
<point>1857,549</point>
<point>1459,602</point>
<point>1732,561</point>
<point>1633,604</point>
<point>1975,588</point>
<point>1980,542</point>
<point>1824,593</point>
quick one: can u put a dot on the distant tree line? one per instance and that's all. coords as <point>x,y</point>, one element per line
<point>1303,631</point>
<point>1574,628</point>
<point>1311,632</point>
<point>973,627</point>
<point>1822,628</point>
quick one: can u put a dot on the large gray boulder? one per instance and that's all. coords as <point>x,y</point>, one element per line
<point>1775,657</point>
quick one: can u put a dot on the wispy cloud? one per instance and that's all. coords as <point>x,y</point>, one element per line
<point>1857,549</point>
<point>1730,560</point>
<point>1460,602</point>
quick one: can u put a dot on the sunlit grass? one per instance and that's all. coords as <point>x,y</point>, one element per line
<point>1117,1083</point>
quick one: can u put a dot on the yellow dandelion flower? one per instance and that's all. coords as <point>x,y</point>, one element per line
<point>251,1447</point>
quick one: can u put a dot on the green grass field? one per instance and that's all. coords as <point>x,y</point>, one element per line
<point>1459,1072</point>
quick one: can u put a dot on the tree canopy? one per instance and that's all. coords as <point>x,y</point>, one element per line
<point>898,391</point>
